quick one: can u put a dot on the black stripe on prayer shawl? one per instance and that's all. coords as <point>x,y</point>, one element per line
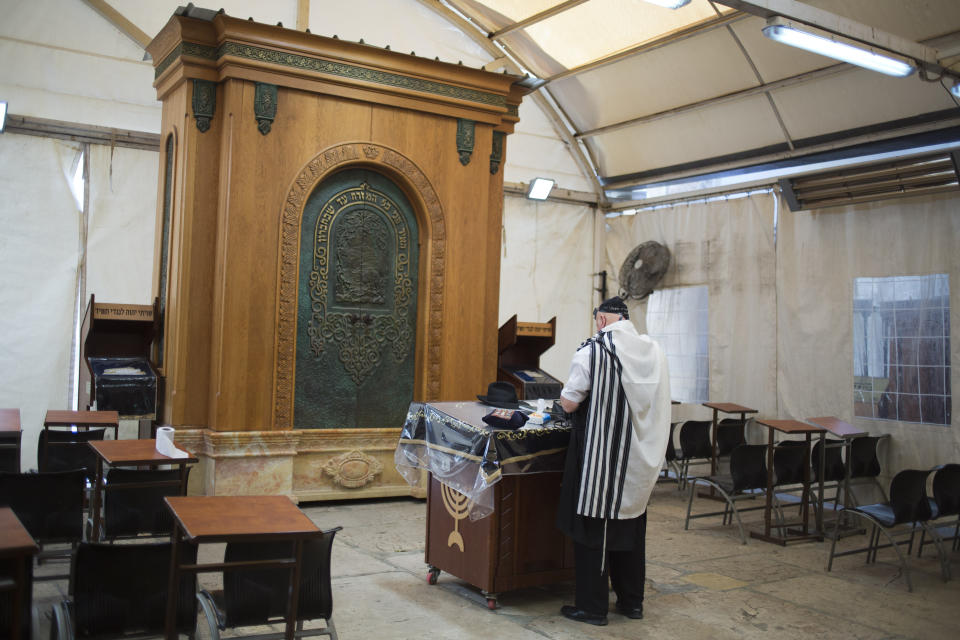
<point>618,414</point>
<point>620,451</point>
<point>607,446</point>
<point>591,449</point>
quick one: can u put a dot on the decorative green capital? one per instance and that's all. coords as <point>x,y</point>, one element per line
<point>496,154</point>
<point>204,103</point>
<point>465,137</point>
<point>265,106</point>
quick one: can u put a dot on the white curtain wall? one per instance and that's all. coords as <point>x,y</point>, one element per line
<point>39,255</point>
<point>41,261</point>
<point>728,246</point>
<point>123,212</point>
<point>819,254</point>
<point>545,271</point>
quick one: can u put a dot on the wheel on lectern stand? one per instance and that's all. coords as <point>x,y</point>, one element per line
<point>432,575</point>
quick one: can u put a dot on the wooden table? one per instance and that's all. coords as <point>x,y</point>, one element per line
<point>81,420</point>
<point>129,453</point>
<point>846,432</point>
<point>200,519</point>
<point>18,548</point>
<point>10,433</point>
<point>790,427</point>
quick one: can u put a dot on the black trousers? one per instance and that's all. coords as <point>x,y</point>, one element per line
<point>626,570</point>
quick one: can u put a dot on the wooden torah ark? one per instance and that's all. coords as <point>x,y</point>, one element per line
<point>257,120</point>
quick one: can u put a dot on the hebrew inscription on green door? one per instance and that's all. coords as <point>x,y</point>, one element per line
<point>356,304</point>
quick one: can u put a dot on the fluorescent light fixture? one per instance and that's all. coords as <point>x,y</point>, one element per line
<point>833,46</point>
<point>3,115</point>
<point>670,4</point>
<point>540,188</point>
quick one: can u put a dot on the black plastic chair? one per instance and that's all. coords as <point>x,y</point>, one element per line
<point>946,507</point>
<point>789,459</point>
<point>673,464</point>
<point>834,470</point>
<point>59,450</point>
<point>696,446</point>
<point>908,506</point>
<point>747,481</point>
<point>138,510</point>
<point>731,433</point>
<point>50,507</point>
<point>865,464</point>
<point>10,451</point>
<point>260,596</point>
<point>120,589</point>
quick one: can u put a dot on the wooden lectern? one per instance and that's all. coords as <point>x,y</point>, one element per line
<point>521,345</point>
<point>117,371</point>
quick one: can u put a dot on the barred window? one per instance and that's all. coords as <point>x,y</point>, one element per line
<point>678,319</point>
<point>901,348</point>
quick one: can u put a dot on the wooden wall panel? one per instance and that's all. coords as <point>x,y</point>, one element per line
<point>190,261</point>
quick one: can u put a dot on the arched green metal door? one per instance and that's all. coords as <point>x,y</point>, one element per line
<point>356,305</point>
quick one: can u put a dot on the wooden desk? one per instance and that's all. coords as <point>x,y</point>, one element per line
<point>129,453</point>
<point>791,427</point>
<point>846,432</point>
<point>721,407</point>
<point>10,434</point>
<point>200,519</point>
<point>81,420</point>
<point>84,419</point>
<point>17,548</point>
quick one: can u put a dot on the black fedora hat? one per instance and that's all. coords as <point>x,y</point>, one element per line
<point>500,394</point>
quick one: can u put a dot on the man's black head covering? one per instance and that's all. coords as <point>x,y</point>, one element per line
<point>613,305</point>
<point>500,394</point>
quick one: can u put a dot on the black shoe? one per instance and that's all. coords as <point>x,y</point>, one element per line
<point>582,616</point>
<point>631,612</point>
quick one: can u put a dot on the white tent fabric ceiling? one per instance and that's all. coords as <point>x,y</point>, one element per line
<point>634,93</point>
<point>700,89</point>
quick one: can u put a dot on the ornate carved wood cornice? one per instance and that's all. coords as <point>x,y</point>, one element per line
<point>227,47</point>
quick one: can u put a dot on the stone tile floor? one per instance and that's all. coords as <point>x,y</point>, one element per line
<point>701,583</point>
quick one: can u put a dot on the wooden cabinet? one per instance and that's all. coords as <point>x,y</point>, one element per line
<point>516,546</point>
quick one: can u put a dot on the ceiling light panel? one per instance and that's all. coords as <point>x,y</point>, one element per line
<point>837,47</point>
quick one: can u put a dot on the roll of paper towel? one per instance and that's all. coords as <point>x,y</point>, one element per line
<point>165,443</point>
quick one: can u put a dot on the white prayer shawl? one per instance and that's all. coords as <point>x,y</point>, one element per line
<point>628,423</point>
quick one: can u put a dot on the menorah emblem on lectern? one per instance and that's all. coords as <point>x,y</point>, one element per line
<point>458,506</point>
